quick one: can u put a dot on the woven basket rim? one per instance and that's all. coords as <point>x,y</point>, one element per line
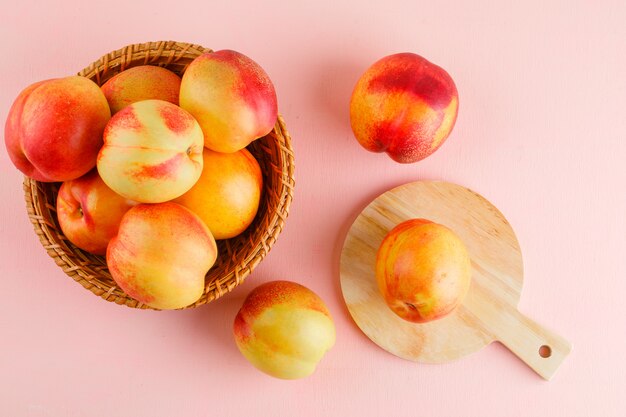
<point>76,263</point>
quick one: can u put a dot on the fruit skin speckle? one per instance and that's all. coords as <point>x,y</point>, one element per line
<point>166,169</point>
<point>287,293</point>
<point>175,120</point>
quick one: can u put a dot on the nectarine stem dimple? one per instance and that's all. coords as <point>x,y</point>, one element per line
<point>411,306</point>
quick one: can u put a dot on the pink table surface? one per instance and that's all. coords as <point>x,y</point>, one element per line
<point>541,133</point>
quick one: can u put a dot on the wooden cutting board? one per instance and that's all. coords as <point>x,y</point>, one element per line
<point>489,312</point>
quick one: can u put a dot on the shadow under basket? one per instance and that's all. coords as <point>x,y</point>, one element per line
<point>237,256</point>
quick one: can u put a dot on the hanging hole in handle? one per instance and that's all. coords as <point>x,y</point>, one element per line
<point>545,351</point>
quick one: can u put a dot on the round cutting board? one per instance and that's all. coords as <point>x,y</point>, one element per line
<point>488,313</point>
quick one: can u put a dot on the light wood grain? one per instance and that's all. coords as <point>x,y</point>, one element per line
<point>488,313</point>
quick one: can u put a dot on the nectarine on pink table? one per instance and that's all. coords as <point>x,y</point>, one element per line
<point>405,106</point>
<point>284,329</point>
<point>232,98</point>
<point>145,82</point>
<point>227,195</point>
<point>423,270</point>
<point>54,129</point>
<point>152,152</point>
<point>161,255</point>
<point>90,213</point>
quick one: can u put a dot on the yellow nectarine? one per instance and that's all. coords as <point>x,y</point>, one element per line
<point>227,195</point>
<point>284,329</point>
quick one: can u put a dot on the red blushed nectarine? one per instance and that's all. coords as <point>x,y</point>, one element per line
<point>405,106</point>
<point>423,270</point>
<point>54,129</point>
<point>232,98</point>
<point>90,213</point>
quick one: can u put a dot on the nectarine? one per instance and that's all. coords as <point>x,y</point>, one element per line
<point>232,98</point>
<point>54,129</point>
<point>145,82</point>
<point>152,152</point>
<point>423,270</point>
<point>90,213</point>
<point>161,255</point>
<point>284,329</point>
<point>405,106</point>
<point>227,195</point>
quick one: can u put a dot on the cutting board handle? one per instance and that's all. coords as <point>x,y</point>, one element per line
<point>539,347</point>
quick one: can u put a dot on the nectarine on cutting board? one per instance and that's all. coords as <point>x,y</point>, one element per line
<point>489,311</point>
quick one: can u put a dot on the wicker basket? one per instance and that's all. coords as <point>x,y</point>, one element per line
<point>237,256</point>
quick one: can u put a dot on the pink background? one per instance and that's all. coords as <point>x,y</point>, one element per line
<point>541,133</point>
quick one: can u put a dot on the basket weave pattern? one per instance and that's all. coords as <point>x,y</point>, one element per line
<point>237,256</point>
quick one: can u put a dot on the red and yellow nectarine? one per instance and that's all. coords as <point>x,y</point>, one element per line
<point>145,82</point>
<point>90,213</point>
<point>423,270</point>
<point>161,255</point>
<point>284,329</point>
<point>152,152</point>
<point>405,106</point>
<point>54,129</point>
<point>232,98</point>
